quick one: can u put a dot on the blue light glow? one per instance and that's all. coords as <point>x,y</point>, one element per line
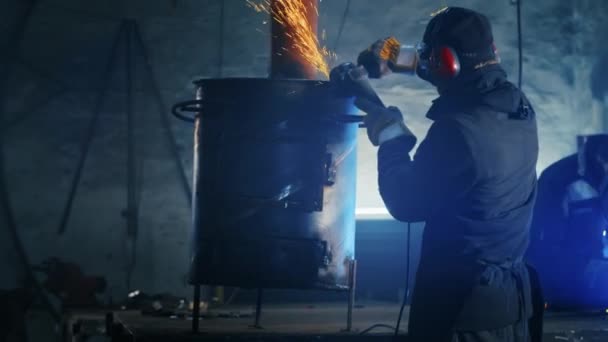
<point>372,213</point>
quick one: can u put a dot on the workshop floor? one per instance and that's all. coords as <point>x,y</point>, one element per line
<point>324,322</point>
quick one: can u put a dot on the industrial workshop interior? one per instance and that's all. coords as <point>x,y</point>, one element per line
<point>303,170</point>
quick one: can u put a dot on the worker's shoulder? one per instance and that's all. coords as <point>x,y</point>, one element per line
<point>476,132</point>
<point>457,124</point>
<point>473,118</point>
<point>485,122</point>
<point>453,133</point>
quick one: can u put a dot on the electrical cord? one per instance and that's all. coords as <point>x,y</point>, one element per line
<point>220,56</point>
<point>375,326</point>
<point>407,279</point>
<point>407,291</point>
<point>519,42</point>
<point>342,22</point>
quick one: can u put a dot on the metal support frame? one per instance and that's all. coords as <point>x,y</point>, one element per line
<point>90,133</point>
<point>133,39</point>
<point>352,287</point>
<point>196,308</point>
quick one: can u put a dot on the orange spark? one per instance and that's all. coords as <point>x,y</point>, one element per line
<point>292,14</point>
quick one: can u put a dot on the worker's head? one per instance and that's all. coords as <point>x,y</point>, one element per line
<point>456,42</point>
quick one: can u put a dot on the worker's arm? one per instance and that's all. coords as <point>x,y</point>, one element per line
<point>438,177</point>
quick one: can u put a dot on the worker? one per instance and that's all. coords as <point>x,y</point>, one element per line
<point>472,180</point>
<point>568,231</point>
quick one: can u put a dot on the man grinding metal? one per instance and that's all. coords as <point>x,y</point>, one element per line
<point>472,180</point>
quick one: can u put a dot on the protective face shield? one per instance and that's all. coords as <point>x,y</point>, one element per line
<point>424,56</point>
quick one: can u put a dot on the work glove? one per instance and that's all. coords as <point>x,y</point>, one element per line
<point>350,80</point>
<point>383,123</point>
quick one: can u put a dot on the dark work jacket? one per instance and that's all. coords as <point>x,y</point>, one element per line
<point>473,182</point>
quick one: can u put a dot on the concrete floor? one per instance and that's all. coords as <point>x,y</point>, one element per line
<point>323,322</point>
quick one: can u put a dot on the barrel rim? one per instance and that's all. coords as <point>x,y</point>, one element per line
<point>202,81</point>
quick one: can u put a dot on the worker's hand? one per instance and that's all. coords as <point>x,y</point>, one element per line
<point>341,80</point>
<point>382,123</point>
<point>376,58</point>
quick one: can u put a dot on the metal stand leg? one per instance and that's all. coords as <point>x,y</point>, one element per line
<point>258,310</point>
<point>352,282</point>
<point>196,307</point>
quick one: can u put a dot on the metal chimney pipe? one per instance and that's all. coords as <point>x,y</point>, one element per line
<point>285,61</point>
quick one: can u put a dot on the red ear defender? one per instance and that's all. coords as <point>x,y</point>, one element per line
<point>445,63</point>
<point>449,65</point>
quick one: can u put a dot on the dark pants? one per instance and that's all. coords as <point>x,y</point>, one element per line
<point>508,334</point>
<point>513,333</point>
<point>437,325</point>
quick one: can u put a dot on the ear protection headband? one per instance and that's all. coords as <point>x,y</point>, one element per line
<point>443,62</point>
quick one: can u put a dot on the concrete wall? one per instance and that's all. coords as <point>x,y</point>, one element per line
<point>62,62</point>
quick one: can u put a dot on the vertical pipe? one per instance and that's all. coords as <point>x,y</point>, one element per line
<point>132,207</point>
<point>286,62</point>
<point>131,167</point>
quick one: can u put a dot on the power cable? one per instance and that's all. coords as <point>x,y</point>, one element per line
<point>341,28</point>
<point>220,49</point>
<point>376,326</point>
<point>406,294</point>
<point>519,43</point>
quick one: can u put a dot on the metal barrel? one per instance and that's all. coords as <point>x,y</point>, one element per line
<point>274,185</point>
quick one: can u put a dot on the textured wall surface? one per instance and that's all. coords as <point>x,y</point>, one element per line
<point>54,83</point>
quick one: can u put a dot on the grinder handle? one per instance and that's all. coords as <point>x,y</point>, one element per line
<point>361,85</point>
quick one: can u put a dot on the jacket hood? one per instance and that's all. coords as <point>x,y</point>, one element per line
<point>486,88</point>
